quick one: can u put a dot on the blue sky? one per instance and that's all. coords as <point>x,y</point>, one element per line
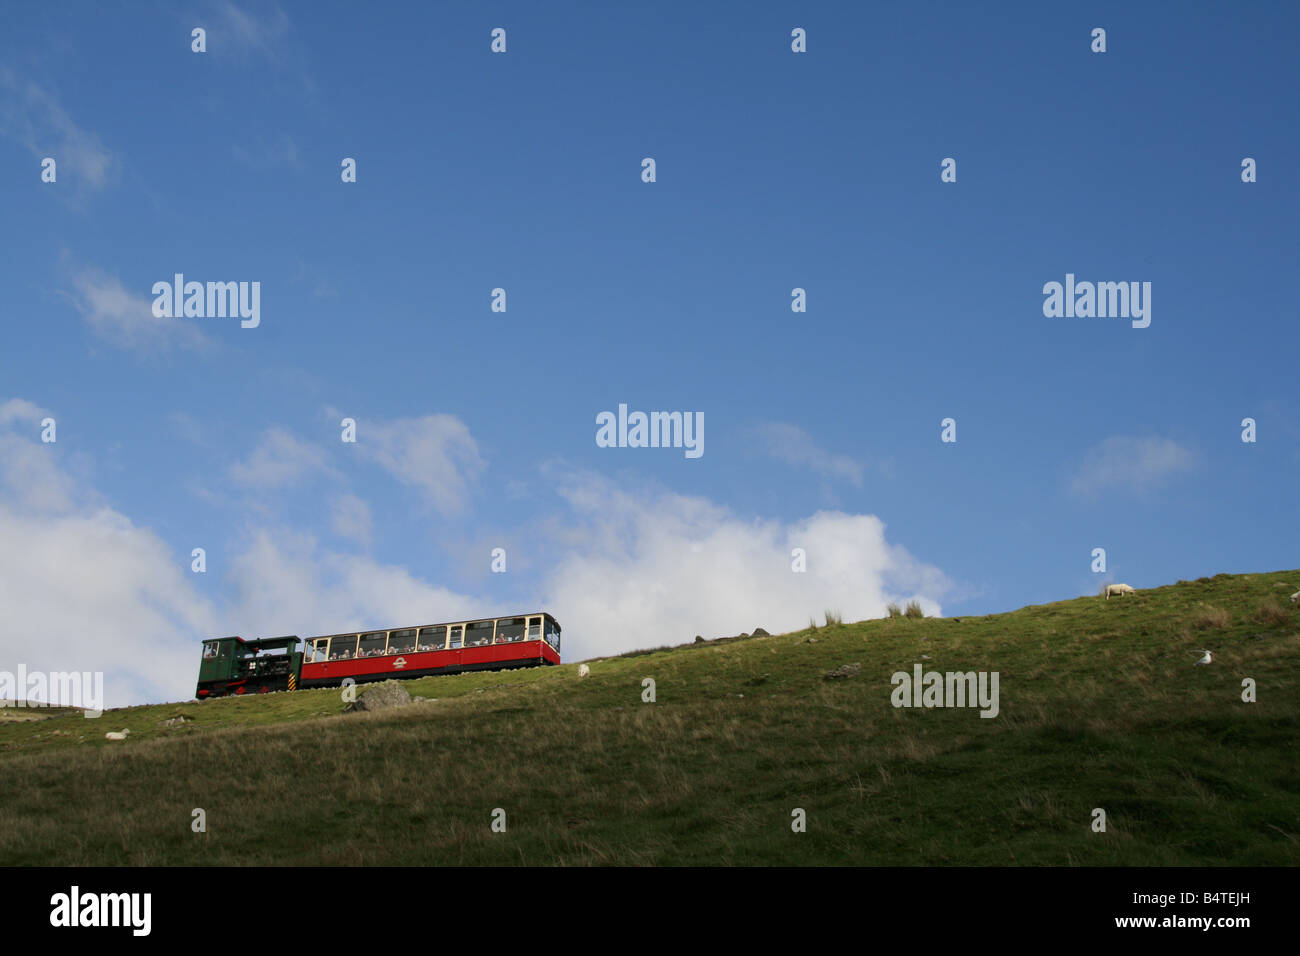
<point>522,170</point>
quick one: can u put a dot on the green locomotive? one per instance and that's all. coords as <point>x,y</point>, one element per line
<point>232,665</point>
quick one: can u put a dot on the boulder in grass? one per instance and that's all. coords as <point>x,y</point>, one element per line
<point>844,670</point>
<point>380,697</point>
<point>759,632</point>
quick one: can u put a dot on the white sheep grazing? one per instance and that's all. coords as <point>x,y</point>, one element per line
<point>117,735</point>
<point>1118,589</point>
<point>583,670</point>
<point>1295,598</point>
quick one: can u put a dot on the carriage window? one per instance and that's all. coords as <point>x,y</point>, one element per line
<point>457,633</point>
<point>510,629</point>
<point>343,647</point>
<point>372,644</point>
<point>401,642</point>
<point>433,638</point>
<point>316,650</point>
<point>552,634</point>
<point>478,633</point>
<point>534,629</point>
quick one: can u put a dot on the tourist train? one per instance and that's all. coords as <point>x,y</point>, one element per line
<point>232,665</point>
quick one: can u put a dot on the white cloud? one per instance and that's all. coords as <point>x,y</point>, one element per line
<point>126,320</point>
<point>628,571</point>
<point>350,518</point>
<point>794,446</point>
<point>244,30</point>
<point>82,587</point>
<point>278,460</point>
<point>94,592</point>
<point>284,151</point>
<point>1134,464</point>
<point>435,455</point>
<point>645,570</point>
<point>21,410</point>
<point>28,467</point>
<point>32,115</point>
<point>285,583</point>
<point>86,589</point>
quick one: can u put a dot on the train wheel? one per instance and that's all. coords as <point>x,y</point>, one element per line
<point>240,689</point>
<point>264,689</point>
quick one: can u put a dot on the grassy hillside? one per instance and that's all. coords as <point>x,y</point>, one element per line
<point>1101,706</point>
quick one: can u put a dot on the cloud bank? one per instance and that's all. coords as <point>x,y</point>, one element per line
<point>87,588</point>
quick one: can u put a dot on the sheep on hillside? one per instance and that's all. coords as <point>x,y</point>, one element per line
<point>1118,589</point>
<point>117,734</point>
<point>1295,598</point>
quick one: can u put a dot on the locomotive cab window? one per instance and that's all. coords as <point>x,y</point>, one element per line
<point>209,650</point>
<point>510,630</point>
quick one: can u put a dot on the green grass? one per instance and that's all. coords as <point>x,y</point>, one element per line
<point>1101,706</point>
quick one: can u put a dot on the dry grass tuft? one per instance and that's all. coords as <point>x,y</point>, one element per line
<point>1271,612</point>
<point>1210,617</point>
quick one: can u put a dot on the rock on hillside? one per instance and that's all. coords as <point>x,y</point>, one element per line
<point>380,697</point>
